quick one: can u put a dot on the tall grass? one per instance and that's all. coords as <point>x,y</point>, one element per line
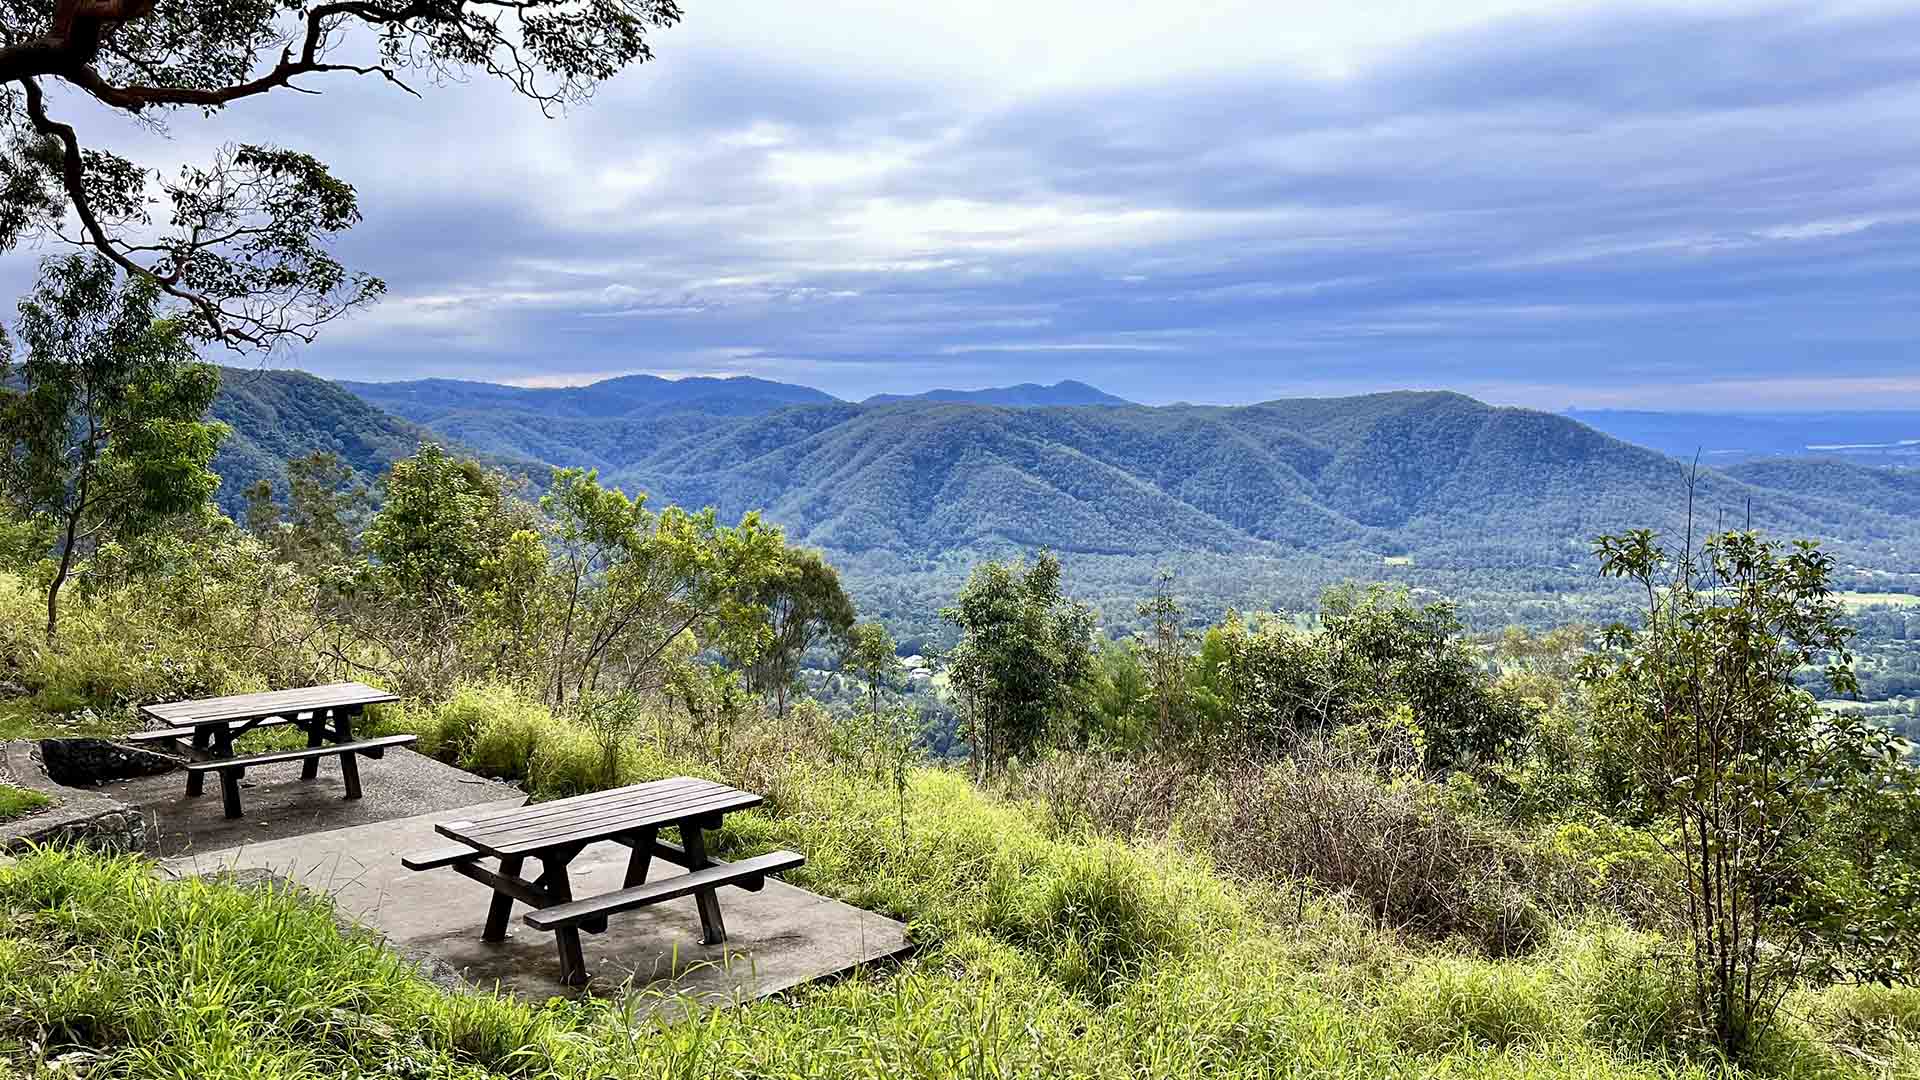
<point>1043,950</point>
<point>1040,956</point>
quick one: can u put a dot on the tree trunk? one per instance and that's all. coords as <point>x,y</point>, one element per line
<point>66,558</point>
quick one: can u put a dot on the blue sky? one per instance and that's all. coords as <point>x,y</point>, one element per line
<point>1590,204</point>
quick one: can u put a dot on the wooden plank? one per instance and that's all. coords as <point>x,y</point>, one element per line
<point>708,813</point>
<point>583,806</point>
<point>749,874</point>
<point>668,804</point>
<point>243,761</point>
<point>605,823</point>
<point>537,811</point>
<point>439,857</point>
<point>272,703</point>
<point>187,732</point>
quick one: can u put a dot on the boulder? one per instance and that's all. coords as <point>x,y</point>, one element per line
<point>91,762</point>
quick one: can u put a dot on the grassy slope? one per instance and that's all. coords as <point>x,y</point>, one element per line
<point>1041,955</point>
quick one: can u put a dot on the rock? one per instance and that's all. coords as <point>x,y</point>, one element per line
<point>91,762</point>
<point>118,828</point>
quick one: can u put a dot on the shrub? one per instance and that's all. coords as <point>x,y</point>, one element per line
<point>489,729</point>
<point>1406,848</point>
<point>567,761</point>
<point>1118,795</point>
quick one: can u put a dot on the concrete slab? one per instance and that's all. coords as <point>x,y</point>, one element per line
<point>278,804</point>
<point>779,937</point>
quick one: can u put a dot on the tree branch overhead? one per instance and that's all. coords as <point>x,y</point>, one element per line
<point>247,243</point>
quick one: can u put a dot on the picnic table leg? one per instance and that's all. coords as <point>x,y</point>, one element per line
<point>642,857</point>
<point>713,928</point>
<point>349,761</point>
<point>350,772</point>
<point>316,734</point>
<point>229,777</point>
<point>573,962</point>
<point>196,782</point>
<point>502,907</point>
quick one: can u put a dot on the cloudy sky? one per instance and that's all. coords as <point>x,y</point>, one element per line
<point>1552,204</point>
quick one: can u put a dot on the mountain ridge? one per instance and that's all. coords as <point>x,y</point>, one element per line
<point>1066,392</point>
<point>1257,505</point>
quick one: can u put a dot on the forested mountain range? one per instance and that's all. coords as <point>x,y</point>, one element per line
<point>1438,478</point>
<point>625,397</point>
<point>278,414</point>
<point>1256,506</point>
<point>1064,392</point>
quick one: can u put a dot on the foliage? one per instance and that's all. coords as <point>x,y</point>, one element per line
<point>243,242</point>
<point>105,438</point>
<point>805,606</point>
<point>1339,818</point>
<point>1270,688</point>
<point>633,585</point>
<point>1121,697</point>
<point>1024,656</point>
<point>1167,660</point>
<point>1419,865</point>
<point>442,523</point>
<point>1794,829</point>
<point>1037,958</point>
<point>872,655</point>
<point>326,510</point>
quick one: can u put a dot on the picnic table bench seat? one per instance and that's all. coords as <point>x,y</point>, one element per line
<point>237,766</point>
<point>749,874</point>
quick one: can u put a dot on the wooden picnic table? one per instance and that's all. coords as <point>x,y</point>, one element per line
<point>554,834</point>
<point>207,727</point>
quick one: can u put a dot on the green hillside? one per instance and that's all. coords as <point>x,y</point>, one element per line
<point>279,414</point>
<point>1257,506</point>
<point>1438,477</point>
<point>1890,489</point>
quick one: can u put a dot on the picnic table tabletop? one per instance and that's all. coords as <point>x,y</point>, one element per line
<point>602,815</point>
<point>203,711</point>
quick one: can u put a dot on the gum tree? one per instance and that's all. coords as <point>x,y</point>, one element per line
<point>105,435</point>
<point>1024,658</point>
<point>242,241</point>
<point>805,606</point>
